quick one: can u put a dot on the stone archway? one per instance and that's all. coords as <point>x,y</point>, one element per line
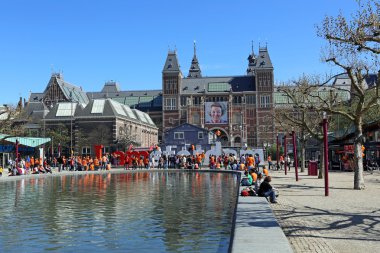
<point>222,137</point>
<point>237,140</point>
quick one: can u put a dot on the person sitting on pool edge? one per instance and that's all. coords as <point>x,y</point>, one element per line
<point>266,190</point>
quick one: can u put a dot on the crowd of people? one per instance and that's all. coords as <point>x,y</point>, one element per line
<point>32,165</point>
<point>258,184</point>
<point>224,161</point>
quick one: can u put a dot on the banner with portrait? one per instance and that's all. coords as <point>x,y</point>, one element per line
<point>216,112</point>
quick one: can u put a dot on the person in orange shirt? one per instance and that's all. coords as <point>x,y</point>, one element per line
<point>269,159</point>
<point>254,176</point>
<point>64,162</point>
<point>146,162</point>
<point>203,156</point>
<point>282,162</point>
<point>32,162</point>
<point>135,162</point>
<point>251,162</point>
<point>96,163</point>
<point>37,162</point>
<point>84,164</point>
<point>141,162</point>
<point>199,160</point>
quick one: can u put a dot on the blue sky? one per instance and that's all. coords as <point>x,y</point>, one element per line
<point>92,42</point>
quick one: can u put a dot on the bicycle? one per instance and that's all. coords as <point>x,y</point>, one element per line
<point>371,166</point>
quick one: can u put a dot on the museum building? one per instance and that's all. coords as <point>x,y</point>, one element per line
<point>245,102</point>
<point>240,107</point>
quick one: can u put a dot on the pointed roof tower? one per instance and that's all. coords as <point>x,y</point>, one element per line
<point>263,59</point>
<point>195,70</point>
<point>171,63</point>
<point>251,62</point>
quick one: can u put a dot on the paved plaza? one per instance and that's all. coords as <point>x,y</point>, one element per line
<point>346,221</point>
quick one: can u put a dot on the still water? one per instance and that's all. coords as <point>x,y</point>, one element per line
<point>122,212</point>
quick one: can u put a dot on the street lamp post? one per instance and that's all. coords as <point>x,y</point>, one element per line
<point>285,152</point>
<point>277,154</point>
<point>326,153</point>
<point>295,154</point>
<point>16,160</point>
<point>71,124</point>
<point>241,129</point>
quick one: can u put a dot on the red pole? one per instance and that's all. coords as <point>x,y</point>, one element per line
<point>326,154</point>
<point>16,154</point>
<point>277,154</point>
<point>285,152</point>
<point>295,154</point>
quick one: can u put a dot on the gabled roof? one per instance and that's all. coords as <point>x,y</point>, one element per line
<point>63,111</point>
<point>210,84</point>
<point>35,110</point>
<point>144,117</point>
<point>36,97</point>
<point>97,108</point>
<point>263,60</point>
<point>141,98</point>
<point>111,87</point>
<point>171,63</point>
<point>71,92</point>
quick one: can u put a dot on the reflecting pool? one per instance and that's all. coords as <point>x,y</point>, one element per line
<point>123,212</point>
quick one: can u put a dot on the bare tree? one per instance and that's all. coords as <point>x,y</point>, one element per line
<point>126,138</point>
<point>11,121</point>
<point>59,134</point>
<point>301,112</point>
<point>353,46</point>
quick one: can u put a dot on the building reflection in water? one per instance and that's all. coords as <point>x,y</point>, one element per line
<point>170,211</point>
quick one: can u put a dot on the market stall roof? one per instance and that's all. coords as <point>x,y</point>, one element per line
<point>26,141</point>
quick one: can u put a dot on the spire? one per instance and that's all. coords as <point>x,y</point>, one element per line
<point>195,70</point>
<point>251,62</point>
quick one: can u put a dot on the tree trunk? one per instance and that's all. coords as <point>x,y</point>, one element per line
<point>321,161</point>
<point>303,157</point>
<point>358,161</point>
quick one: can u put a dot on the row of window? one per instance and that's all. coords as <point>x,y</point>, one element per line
<point>171,103</point>
<point>170,86</point>
<point>181,135</point>
<point>86,151</point>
